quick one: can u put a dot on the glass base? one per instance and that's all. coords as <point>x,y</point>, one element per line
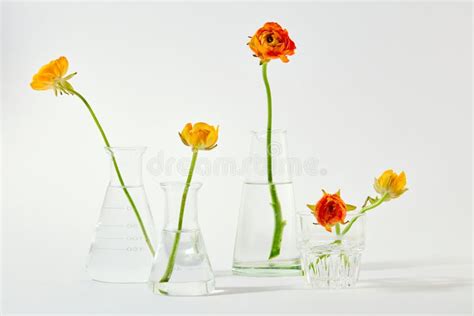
<point>332,270</point>
<point>191,273</point>
<point>183,288</point>
<point>100,270</point>
<point>268,268</point>
<point>119,253</point>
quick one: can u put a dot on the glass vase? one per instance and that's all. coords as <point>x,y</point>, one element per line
<point>331,259</point>
<point>120,252</point>
<point>189,271</point>
<point>265,242</point>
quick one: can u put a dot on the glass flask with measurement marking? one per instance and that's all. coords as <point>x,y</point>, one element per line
<point>122,249</point>
<point>189,271</point>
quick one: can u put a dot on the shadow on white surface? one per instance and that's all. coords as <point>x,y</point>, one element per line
<point>415,284</point>
<point>232,290</point>
<point>415,275</point>
<point>390,277</point>
<point>397,265</point>
<point>230,284</point>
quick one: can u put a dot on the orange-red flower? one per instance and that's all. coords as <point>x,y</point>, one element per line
<point>329,210</point>
<point>271,41</point>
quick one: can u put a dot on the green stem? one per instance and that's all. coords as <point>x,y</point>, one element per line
<point>117,170</point>
<point>169,268</point>
<point>279,222</point>
<point>338,229</point>
<point>363,210</point>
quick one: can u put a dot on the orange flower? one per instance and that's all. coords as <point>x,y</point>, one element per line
<point>329,210</point>
<point>271,42</point>
<point>201,136</point>
<point>51,76</point>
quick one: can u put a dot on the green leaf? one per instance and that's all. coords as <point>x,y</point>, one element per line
<point>350,207</point>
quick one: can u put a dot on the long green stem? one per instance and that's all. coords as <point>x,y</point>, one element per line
<point>117,170</point>
<point>363,210</point>
<point>338,229</point>
<point>169,268</point>
<point>279,222</point>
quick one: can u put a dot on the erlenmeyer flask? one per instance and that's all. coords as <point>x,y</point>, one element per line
<point>190,272</point>
<point>123,245</point>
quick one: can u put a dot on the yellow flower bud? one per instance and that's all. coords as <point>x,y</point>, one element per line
<point>200,136</point>
<point>391,183</point>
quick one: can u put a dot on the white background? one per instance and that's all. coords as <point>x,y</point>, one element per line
<point>371,86</point>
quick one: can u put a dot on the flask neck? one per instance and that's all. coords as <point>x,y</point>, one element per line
<point>176,206</point>
<point>126,166</point>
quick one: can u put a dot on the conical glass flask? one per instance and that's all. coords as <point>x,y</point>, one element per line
<point>265,243</point>
<point>189,272</point>
<point>123,245</point>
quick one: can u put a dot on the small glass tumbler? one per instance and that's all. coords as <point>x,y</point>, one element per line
<point>331,259</point>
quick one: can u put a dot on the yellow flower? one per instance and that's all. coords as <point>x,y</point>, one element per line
<point>201,136</point>
<point>52,76</point>
<point>391,183</point>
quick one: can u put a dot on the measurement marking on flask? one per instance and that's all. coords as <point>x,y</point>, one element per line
<point>128,249</point>
<point>134,238</point>
<point>123,225</point>
<point>135,249</point>
<point>115,208</point>
<point>131,238</point>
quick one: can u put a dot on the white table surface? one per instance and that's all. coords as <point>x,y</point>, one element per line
<point>440,286</point>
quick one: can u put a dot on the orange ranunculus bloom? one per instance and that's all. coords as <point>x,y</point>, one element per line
<point>52,76</point>
<point>390,183</point>
<point>329,210</point>
<point>271,42</point>
<point>200,136</point>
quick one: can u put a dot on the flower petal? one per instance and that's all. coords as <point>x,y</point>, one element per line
<point>271,41</point>
<point>62,65</point>
<point>49,74</point>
